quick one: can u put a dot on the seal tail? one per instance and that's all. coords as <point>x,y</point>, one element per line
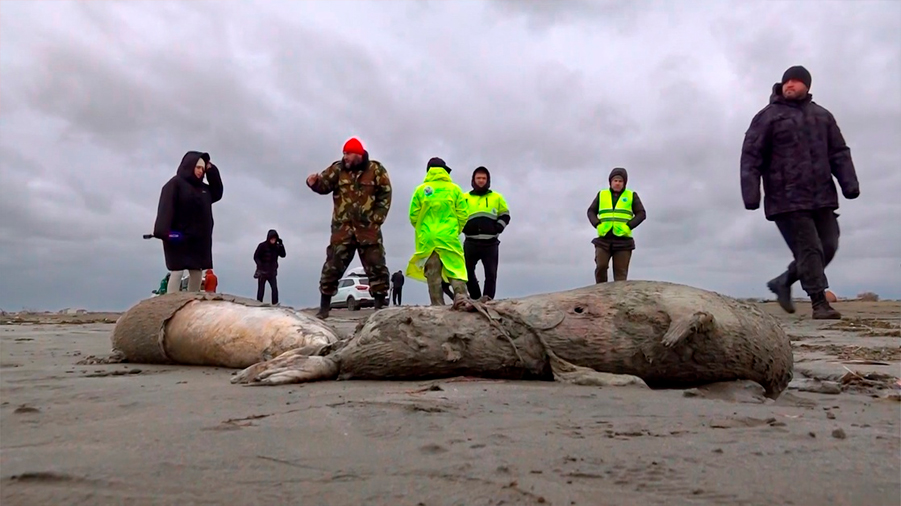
<point>682,327</point>
<point>293,366</point>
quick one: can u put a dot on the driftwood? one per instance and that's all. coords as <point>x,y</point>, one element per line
<point>668,335</point>
<point>198,328</point>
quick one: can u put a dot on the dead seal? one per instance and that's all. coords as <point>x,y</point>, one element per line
<point>198,328</point>
<point>668,335</point>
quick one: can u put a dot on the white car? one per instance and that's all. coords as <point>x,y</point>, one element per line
<point>353,293</point>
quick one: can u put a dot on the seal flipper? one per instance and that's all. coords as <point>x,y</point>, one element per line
<point>292,366</point>
<point>682,327</point>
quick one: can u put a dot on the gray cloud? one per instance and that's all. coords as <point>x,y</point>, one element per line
<point>101,100</point>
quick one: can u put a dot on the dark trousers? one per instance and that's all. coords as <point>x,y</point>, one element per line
<point>338,257</point>
<point>261,287</point>
<point>397,294</point>
<point>487,253</point>
<point>812,237</point>
<point>621,259</point>
<point>446,288</point>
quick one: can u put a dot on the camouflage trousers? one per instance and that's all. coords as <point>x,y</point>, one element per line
<point>432,271</point>
<point>338,257</point>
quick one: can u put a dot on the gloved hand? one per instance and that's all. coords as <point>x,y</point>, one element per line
<point>278,241</point>
<point>175,237</point>
<point>750,206</point>
<point>851,194</point>
<point>498,227</point>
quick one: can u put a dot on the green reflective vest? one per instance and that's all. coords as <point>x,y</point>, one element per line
<point>616,219</point>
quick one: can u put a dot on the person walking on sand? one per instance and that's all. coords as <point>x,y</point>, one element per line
<point>266,259</point>
<point>184,219</point>
<point>615,212</point>
<point>397,288</point>
<point>438,213</point>
<point>795,146</point>
<point>361,193</point>
<point>488,218</point>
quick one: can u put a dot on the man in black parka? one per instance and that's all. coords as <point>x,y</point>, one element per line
<point>795,146</point>
<point>397,288</point>
<point>184,219</point>
<point>266,257</point>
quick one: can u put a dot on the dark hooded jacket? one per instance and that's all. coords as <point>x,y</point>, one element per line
<point>267,254</point>
<point>795,147</point>
<point>397,279</point>
<point>611,241</point>
<point>186,206</point>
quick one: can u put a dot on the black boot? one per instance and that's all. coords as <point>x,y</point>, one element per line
<point>379,302</point>
<point>821,308</point>
<point>783,292</point>
<point>325,304</point>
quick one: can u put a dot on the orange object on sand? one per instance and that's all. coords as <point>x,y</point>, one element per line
<point>830,297</point>
<point>211,282</point>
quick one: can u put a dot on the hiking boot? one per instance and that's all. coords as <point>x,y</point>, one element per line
<point>783,293</point>
<point>325,304</point>
<point>821,308</point>
<point>379,302</point>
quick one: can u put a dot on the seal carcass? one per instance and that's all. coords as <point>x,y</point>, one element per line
<point>199,328</point>
<point>668,335</point>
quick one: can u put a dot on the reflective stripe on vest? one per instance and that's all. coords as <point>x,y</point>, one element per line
<point>484,208</point>
<point>617,218</point>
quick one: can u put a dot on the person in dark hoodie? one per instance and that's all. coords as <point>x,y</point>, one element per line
<point>184,219</point>
<point>266,257</point>
<point>795,146</point>
<point>488,218</point>
<point>615,212</point>
<point>397,288</point>
<point>361,193</point>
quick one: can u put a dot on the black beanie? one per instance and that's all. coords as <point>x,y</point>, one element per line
<point>797,72</point>
<point>437,162</point>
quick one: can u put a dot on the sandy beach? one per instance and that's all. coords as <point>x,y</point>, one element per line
<point>158,435</point>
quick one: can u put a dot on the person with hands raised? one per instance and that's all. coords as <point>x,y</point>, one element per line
<point>184,219</point>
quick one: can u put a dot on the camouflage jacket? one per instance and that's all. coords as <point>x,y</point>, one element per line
<point>361,198</point>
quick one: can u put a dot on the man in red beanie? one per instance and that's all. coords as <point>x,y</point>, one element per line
<point>361,192</point>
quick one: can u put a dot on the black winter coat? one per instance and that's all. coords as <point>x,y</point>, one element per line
<point>796,147</point>
<point>267,254</point>
<point>186,206</point>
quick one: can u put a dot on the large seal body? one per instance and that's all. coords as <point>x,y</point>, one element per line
<point>199,328</point>
<point>669,335</point>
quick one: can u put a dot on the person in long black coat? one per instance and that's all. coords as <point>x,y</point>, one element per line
<point>184,219</point>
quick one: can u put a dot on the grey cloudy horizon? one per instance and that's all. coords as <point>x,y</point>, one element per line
<point>102,99</point>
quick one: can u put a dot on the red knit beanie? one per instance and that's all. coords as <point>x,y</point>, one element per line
<point>353,145</point>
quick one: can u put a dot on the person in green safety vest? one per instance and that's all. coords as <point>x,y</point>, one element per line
<point>614,213</point>
<point>438,212</point>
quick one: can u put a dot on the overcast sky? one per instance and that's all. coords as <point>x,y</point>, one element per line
<point>100,100</point>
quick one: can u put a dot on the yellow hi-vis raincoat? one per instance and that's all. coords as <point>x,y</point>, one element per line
<point>438,212</point>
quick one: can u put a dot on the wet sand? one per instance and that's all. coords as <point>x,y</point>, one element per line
<point>137,434</point>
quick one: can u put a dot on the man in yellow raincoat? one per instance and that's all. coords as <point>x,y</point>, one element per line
<point>438,212</point>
